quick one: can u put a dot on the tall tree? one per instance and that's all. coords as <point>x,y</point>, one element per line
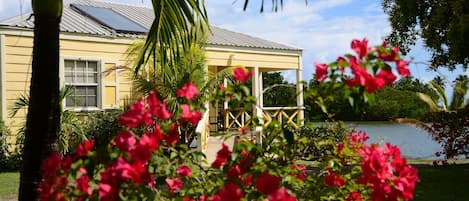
<point>43,120</point>
<point>443,25</point>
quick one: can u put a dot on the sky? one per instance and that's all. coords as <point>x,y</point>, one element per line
<point>322,28</point>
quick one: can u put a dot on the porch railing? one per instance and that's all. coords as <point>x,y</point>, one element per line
<point>239,118</point>
<point>285,115</point>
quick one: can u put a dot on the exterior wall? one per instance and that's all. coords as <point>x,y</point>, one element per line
<point>115,86</point>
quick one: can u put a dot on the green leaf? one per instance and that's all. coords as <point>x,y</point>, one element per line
<point>288,135</point>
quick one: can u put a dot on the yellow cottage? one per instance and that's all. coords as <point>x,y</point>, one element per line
<point>94,38</point>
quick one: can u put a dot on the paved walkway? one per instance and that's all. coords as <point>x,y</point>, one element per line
<point>215,144</point>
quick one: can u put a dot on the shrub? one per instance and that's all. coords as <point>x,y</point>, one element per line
<point>9,160</point>
<point>451,130</point>
<point>319,141</point>
<point>102,126</point>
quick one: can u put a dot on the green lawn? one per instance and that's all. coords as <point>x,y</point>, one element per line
<point>450,183</point>
<point>9,183</point>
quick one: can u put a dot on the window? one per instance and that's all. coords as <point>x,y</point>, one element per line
<point>83,75</point>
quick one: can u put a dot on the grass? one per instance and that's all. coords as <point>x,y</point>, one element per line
<point>9,182</point>
<point>445,183</point>
<point>448,183</point>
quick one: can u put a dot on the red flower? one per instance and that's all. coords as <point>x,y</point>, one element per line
<point>183,171</point>
<point>174,184</point>
<point>402,67</point>
<point>188,90</point>
<point>267,183</point>
<point>125,141</point>
<point>340,147</point>
<point>172,136</point>
<point>241,75</point>
<point>137,115</point>
<point>231,192</point>
<point>354,196</point>
<point>281,195</point>
<point>157,107</point>
<point>392,56</point>
<point>334,179</point>
<point>321,71</point>
<point>360,47</point>
<point>302,172</point>
<point>85,148</point>
<point>51,165</point>
<point>387,76</point>
<point>144,148</point>
<point>192,117</point>
<point>222,156</point>
<point>83,184</point>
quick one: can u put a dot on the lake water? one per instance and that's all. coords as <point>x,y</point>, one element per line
<point>414,143</point>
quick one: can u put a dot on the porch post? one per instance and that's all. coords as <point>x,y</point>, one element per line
<point>299,93</point>
<point>257,108</point>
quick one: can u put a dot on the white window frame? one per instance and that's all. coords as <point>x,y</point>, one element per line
<point>99,89</point>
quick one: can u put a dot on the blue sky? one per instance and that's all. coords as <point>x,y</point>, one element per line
<point>323,28</point>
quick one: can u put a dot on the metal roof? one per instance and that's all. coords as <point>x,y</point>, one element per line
<point>75,22</point>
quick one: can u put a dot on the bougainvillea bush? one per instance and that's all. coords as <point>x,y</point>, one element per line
<point>145,161</point>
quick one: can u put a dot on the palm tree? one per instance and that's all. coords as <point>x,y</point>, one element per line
<point>43,119</point>
<point>460,89</point>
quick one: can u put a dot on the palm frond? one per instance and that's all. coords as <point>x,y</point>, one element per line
<point>168,37</point>
<point>440,90</point>
<point>21,103</point>
<point>459,94</point>
<point>429,101</point>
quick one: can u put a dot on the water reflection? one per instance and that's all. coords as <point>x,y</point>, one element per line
<point>414,143</point>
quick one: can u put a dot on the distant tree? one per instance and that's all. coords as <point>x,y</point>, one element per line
<point>278,91</point>
<point>443,25</point>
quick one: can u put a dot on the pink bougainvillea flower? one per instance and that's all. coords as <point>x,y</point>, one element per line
<point>340,147</point>
<point>188,90</point>
<point>341,59</point>
<point>354,196</point>
<point>392,56</point>
<point>360,47</point>
<point>361,76</point>
<point>402,67</point>
<point>267,183</point>
<point>51,165</point>
<point>183,171</point>
<point>137,115</point>
<point>172,136</point>
<point>241,75</point>
<point>84,148</point>
<point>125,141</point>
<point>357,138</point>
<point>192,117</point>
<point>83,184</point>
<point>174,184</point>
<point>334,179</point>
<point>301,175</point>
<point>281,195</point>
<point>387,76</point>
<point>144,148</point>
<point>222,156</point>
<point>158,108</point>
<point>321,71</point>
<point>231,192</point>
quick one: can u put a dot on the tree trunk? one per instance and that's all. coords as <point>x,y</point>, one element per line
<point>43,120</point>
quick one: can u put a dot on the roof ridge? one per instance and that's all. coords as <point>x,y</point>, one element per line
<point>112,2</point>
